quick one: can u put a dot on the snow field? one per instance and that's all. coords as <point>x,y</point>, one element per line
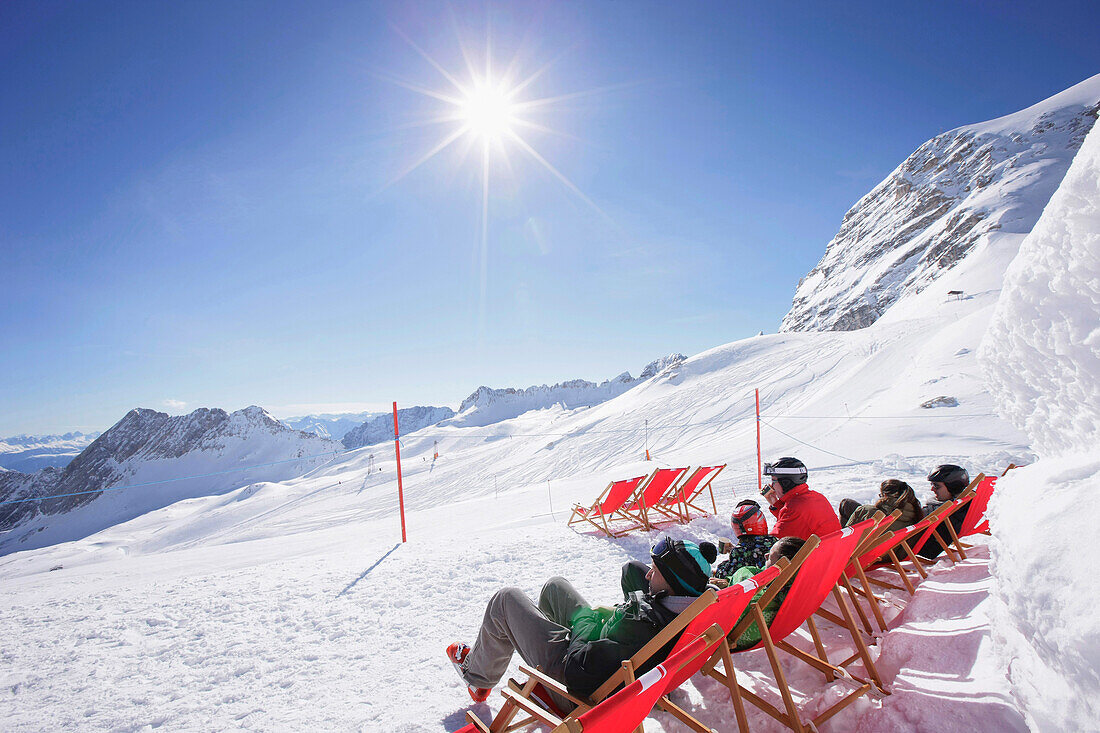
<point>286,605</point>
<point>344,629</point>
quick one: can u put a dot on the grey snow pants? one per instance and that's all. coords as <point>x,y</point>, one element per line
<point>512,623</point>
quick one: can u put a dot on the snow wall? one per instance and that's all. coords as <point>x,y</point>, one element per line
<point>1042,360</point>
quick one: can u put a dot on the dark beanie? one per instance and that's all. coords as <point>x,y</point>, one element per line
<point>685,566</point>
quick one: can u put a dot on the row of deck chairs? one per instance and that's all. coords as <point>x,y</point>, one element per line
<point>666,496</point>
<point>829,569</point>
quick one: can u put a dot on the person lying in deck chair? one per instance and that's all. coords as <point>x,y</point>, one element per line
<point>750,527</point>
<point>948,481</point>
<point>787,547</point>
<point>799,510</point>
<point>893,494</point>
<point>575,643</point>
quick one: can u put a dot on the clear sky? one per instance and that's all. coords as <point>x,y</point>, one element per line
<point>203,203</point>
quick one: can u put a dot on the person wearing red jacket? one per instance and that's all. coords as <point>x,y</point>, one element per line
<point>799,510</point>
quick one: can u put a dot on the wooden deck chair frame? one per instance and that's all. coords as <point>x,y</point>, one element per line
<point>626,709</point>
<point>886,544</point>
<point>726,611</point>
<point>981,504</point>
<point>517,696</point>
<point>608,508</point>
<point>691,491</point>
<point>646,507</point>
<point>944,516</point>
<point>871,539</point>
<point>790,715</point>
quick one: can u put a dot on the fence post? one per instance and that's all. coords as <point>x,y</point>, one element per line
<point>759,468</point>
<point>400,489</point>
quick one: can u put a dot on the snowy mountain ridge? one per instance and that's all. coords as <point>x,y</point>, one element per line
<point>487,405</point>
<point>380,428</point>
<point>329,425</point>
<point>29,453</point>
<point>147,446</point>
<point>933,209</point>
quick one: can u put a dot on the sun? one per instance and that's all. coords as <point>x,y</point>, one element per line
<point>488,112</point>
<point>490,107</point>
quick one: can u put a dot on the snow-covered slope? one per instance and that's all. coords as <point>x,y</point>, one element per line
<point>380,427</point>
<point>154,449</point>
<point>307,585</point>
<point>932,210</point>
<point>1042,353</point>
<point>29,453</point>
<point>334,426</point>
<point>292,604</point>
<point>487,406</point>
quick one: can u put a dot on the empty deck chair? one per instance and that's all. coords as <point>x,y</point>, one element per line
<point>819,566</point>
<point>646,507</point>
<point>688,496</point>
<point>517,696</point>
<point>606,513</point>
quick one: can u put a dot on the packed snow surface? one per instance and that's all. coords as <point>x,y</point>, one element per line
<point>1042,354</point>
<point>294,604</point>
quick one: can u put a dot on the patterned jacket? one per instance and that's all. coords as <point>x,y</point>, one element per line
<point>750,551</point>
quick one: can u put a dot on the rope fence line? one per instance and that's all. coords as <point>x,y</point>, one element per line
<point>420,434</point>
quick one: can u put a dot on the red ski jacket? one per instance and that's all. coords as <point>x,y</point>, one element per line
<point>802,512</point>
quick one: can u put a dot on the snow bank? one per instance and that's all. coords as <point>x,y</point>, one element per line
<point>1042,350</point>
<point>1042,357</point>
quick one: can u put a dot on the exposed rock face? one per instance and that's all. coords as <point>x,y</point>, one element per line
<point>146,438</point>
<point>380,429</point>
<point>931,211</point>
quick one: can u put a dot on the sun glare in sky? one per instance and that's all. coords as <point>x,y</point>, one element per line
<point>488,112</point>
<point>488,109</point>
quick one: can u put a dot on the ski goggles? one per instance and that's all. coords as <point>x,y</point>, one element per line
<point>770,469</point>
<point>664,546</point>
<point>740,521</point>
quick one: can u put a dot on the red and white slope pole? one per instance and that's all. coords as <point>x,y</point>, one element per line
<point>400,489</point>
<point>759,467</point>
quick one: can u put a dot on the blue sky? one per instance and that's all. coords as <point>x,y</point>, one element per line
<point>200,207</point>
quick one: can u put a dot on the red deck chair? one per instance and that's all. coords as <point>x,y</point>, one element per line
<point>943,516</point>
<point>975,521</point>
<point>691,491</point>
<point>608,508</point>
<point>646,508</point>
<point>870,558</point>
<point>819,568</point>
<point>518,696</point>
<point>624,711</point>
<point>731,604</point>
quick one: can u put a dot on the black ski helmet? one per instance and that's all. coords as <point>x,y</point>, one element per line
<point>955,478</point>
<point>789,472</point>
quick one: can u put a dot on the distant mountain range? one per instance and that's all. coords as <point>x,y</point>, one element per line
<point>153,450</point>
<point>331,425</point>
<point>29,453</point>
<point>487,405</point>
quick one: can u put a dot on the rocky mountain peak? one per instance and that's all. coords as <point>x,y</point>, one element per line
<point>935,207</point>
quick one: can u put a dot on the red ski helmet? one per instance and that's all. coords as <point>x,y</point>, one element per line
<point>748,519</point>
